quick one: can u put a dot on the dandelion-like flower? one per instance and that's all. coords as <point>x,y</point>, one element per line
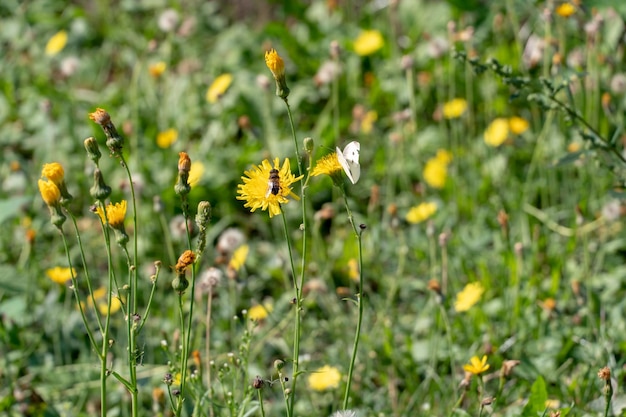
<point>157,69</point>
<point>239,257</point>
<point>100,295</point>
<point>54,172</point>
<point>368,42</point>
<point>60,275</point>
<point>166,138</point>
<point>324,378</point>
<point>477,366</point>
<point>258,192</point>
<point>218,87</point>
<point>436,169</point>
<point>566,9</point>
<point>328,165</point>
<point>115,213</point>
<point>277,66</point>
<point>469,296</point>
<point>49,193</point>
<point>454,108</point>
<point>497,132</point>
<point>259,312</point>
<point>518,125</point>
<point>421,212</point>
<point>56,43</point>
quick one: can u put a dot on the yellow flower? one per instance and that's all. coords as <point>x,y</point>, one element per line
<point>353,269</point>
<point>497,132</point>
<point>476,365</point>
<point>328,165</point>
<point>239,257</point>
<point>518,125</point>
<point>368,42</point>
<point>115,213</point>
<point>454,108</point>
<point>275,63</point>
<point>258,192</point>
<point>277,66</point>
<point>367,124</point>
<point>49,192</point>
<point>324,378</point>
<point>436,169</point>
<point>53,172</point>
<point>195,173</point>
<point>60,275</point>
<point>421,212</point>
<point>566,9</point>
<point>574,147</point>
<point>259,312</point>
<point>218,87</point>
<point>100,295</point>
<point>157,68</point>
<point>166,138</point>
<point>56,43</point>
<point>469,296</point>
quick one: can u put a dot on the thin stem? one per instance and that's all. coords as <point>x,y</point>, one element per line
<point>357,334</point>
<point>207,349</point>
<point>260,395</point>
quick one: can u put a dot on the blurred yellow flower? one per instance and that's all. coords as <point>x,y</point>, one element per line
<point>476,365</point>
<point>56,43</point>
<point>368,42</point>
<point>53,172</point>
<point>166,138</point>
<point>574,147</point>
<point>60,275</point>
<point>565,9</point>
<point>257,191</point>
<point>115,213</point>
<point>454,108</point>
<point>49,192</point>
<point>469,296</point>
<point>328,165</point>
<point>239,257</point>
<point>353,269</point>
<point>195,173</point>
<point>518,125</point>
<point>100,295</point>
<point>436,169</point>
<point>421,212</point>
<point>218,87</point>
<point>157,68</point>
<point>367,124</point>
<point>324,378</point>
<point>259,312</point>
<point>497,132</point>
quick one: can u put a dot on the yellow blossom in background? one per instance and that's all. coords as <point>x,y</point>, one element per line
<point>497,132</point>
<point>56,43</point>
<point>239,257</point>
<point>574,147</point>
<point>368,42</point>
<point>518,125</point>
<point>195,173</point>
<point>218,87</point>
<point>259,312</point>
<point>49,192</point>
<point>327,165</point>
<point>468,297</point>
<point>476,366</point>
<point>100,295</point>
<point>254,189</point>
<point>115,213</point>
<point>60,275</point>
<point>166,138</point>
<point>367,124</point>
<point>324,378</point>
<point>553,404</point>
<point>421,212</point>
<point>353,269</point>
<point>565,9</point>
<point>454,108</point>
<point>436,169</point>
<point>157,68</point>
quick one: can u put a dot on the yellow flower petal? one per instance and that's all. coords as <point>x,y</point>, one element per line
<point>239,257</point>
<point>518,125</point>
<point>56,43</point>
<point>454,108</point>
<point>324,378</point>
<point>49,192</point>
<point>566,9</point>
<point>218,87</point>
<point>497,132</point>
<point>468,297</point>
<point>259,312</point>
<point>60,275</point>
<point>421,212</point>
<point>157,68</point>
<point>368,42</point>
<point>327,165</point>
<point>476,365</point>
<point>195,173</point>
<point>166,138</point>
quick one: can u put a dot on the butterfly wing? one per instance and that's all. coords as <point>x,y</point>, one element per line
<point>351,155</point>
<point>344,164</point>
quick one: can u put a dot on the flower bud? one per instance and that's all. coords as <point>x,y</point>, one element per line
<point>92,148</point>
<point>309,144</point>
<point>100,190</point>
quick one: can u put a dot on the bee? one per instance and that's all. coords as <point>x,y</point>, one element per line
<point>273,184</point>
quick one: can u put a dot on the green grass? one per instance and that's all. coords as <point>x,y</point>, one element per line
<point>552,271</point>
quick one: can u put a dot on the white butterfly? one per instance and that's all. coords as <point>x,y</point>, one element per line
<point>349,160</point>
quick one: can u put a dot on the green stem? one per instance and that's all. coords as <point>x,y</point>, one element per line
<point>357,334</point>
<point>260,395</point>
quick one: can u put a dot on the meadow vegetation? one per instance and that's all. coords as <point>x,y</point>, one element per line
<point>316,208</point>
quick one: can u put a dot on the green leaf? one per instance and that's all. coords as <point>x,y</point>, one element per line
<point>12,207</point>
<point>537,401</point>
